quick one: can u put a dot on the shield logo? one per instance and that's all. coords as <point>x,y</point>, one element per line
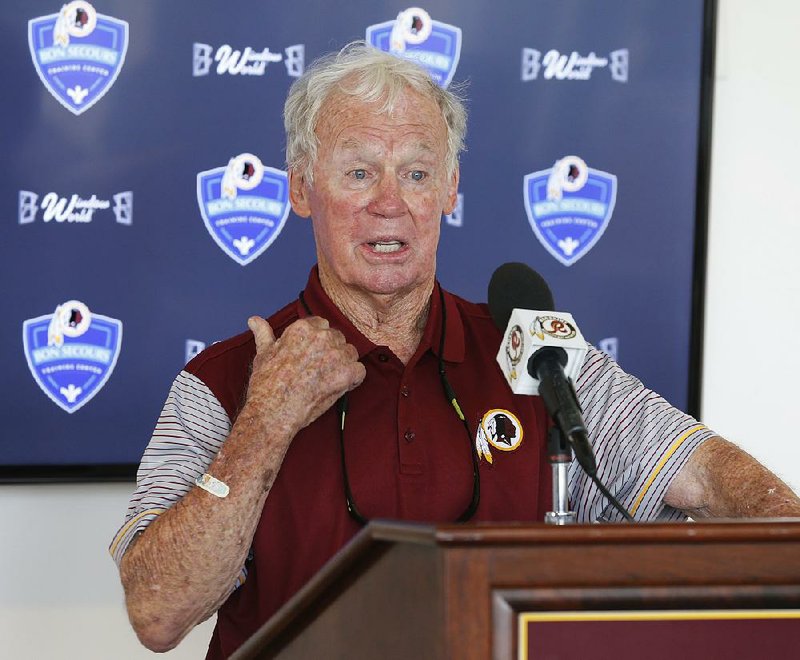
<point>569,207</point>
<point>244,206</point>
<point>78,53</point>
<point>434,45</point>
<point>71,353</point>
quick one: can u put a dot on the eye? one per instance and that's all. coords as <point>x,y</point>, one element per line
<point>417,175</point>
<point>358,175</point>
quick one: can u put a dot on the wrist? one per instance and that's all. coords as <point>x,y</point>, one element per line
<point>265,424</point>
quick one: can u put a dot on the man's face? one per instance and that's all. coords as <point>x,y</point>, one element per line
<point>380,188</point>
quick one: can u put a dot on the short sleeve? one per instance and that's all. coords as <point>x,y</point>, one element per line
<point>640,441</point>
<point>190,431</point>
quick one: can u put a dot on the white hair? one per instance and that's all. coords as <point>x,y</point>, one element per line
<point>372,76</point>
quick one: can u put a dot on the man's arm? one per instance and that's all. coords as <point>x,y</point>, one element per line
<point>182,567</point>
<point>722,481</point>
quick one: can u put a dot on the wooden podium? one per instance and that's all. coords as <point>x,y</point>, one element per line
<point>405,591</point>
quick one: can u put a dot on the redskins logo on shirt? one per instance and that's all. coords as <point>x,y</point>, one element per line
<point>499,428</point>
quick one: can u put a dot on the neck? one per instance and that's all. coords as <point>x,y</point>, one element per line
<point>393,320</point>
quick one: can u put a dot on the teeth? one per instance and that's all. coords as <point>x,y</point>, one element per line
<point>387,246</point>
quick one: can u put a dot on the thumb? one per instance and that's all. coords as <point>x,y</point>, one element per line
<point>262,332</point>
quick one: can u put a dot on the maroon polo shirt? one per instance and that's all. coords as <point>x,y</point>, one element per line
<point>408,454</point>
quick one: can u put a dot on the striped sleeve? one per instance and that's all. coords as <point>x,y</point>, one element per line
<point>640,441</point>
<point>189,433</point>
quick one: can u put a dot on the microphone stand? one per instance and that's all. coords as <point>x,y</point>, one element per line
<point>559,453</point>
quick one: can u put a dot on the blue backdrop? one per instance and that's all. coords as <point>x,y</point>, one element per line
<point>115,114</point>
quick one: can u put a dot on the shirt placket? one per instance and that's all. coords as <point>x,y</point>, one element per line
<point>409,446</point>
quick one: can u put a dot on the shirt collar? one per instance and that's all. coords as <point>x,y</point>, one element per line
<point>321,305</point>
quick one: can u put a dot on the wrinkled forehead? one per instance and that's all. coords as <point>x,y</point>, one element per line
<point>407,107</point>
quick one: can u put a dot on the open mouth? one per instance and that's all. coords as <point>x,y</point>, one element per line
<point>386,246</point>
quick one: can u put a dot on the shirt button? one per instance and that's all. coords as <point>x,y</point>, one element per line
<point>409,436</point>
<point>383,357</point>
<point>404,390</point>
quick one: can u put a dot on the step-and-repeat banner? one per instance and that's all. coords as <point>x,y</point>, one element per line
<point>131,240</point>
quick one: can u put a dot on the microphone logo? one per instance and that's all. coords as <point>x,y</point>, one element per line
<point>527,332</point>
<point>553,326</point>
<point>514,350</point>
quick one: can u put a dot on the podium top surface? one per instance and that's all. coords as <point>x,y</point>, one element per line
<point>752,530</point>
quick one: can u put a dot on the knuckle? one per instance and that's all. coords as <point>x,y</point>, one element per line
<point>337,337</point>
<point>317,322</point>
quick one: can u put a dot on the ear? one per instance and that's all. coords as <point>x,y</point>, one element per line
<point>452,193</point>
<point>298,194</point>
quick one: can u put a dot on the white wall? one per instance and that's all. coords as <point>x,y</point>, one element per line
<point>753,294</point>
<point>59,592</point>
<point>60,596</point>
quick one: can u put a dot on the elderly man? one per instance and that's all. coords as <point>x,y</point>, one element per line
<point>275,446</point>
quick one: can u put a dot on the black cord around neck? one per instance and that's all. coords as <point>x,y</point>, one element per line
<point>342,406</point>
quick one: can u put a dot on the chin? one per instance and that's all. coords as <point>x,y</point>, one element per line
<point>388,286</point>
<point>388,281</point>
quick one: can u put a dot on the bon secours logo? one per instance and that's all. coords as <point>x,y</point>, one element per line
<point>415,36</point>
<point>73,208</point>
<point>77,53</point>
<point>247,62</point>
<point>572,66</point>
<point>71,353</point>
<point>569,207</point>
<point>244,206</point>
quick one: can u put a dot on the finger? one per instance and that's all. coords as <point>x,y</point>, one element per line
<point>359,374</point>
<point>317,322</point>
<point>338,339</point>
<point>350,352</point>
<point>262,332</point>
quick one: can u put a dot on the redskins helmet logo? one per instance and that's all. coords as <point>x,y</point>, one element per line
<point>412,26</point>
<point>243,172</point>
<point>71,319</point>
<point>76,19</point>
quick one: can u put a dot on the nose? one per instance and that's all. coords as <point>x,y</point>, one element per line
<point>387,199</point>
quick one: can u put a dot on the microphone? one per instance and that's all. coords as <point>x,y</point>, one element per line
<point>548,343</point>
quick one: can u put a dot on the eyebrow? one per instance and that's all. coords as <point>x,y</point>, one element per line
<point>351,144</point>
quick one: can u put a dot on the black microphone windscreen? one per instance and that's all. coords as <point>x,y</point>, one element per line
<point>515,285</point>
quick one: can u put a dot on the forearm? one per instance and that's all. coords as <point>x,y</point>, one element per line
<point>722,481</point>
<point>184,565</point>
